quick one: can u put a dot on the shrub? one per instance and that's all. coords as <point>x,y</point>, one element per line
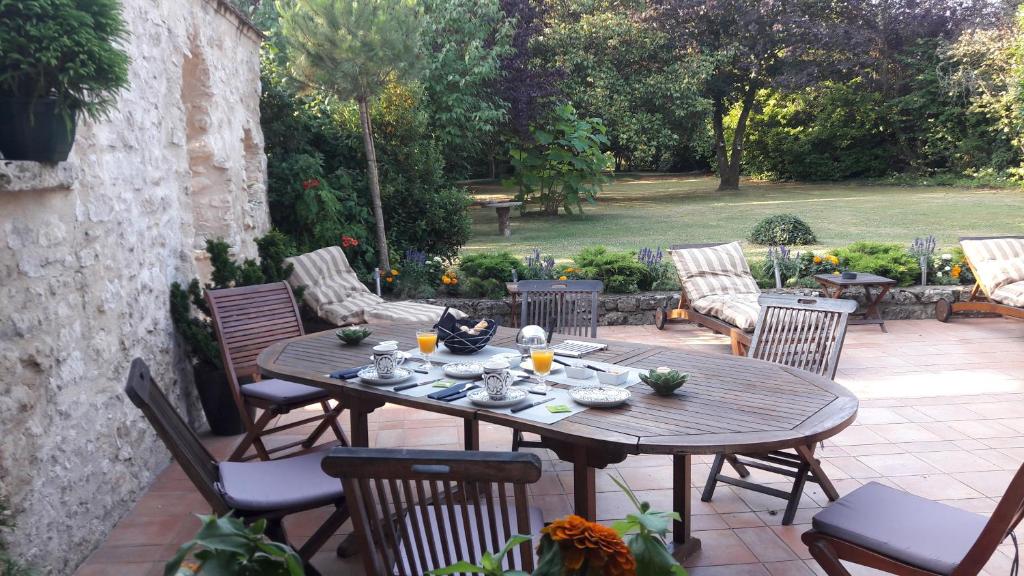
<point>419,276</point>
<point>782,229</point>
<point>889,260</point>
<point>484,275</point>
<point>621,272</point>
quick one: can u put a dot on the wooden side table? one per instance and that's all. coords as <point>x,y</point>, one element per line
<point>834,285</point>
<point>504,210</point>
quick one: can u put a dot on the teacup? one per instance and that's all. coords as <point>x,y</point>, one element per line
<point>497,379</point>
<point>386,359</point>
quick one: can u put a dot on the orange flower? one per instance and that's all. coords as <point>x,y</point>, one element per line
<point>598,546</point>
<point>955,273</point>
<point>389,279</point>
<point>563,277</point>
<point>446,280</point>
<point>817,259</point>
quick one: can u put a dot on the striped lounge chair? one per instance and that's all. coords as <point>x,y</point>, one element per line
<point>335,293</point>
<point>719,291</point>
<point>998,267</point>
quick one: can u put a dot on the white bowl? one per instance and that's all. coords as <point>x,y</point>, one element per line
<point>612,377</point>
<point>578,372</point>
<point>512,358</point>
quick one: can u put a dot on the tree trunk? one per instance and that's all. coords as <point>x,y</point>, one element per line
<point>729,165</point>
<point>371,168</point>
<point>728,180</point>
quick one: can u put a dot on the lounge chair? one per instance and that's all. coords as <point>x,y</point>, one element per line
<point>719,292</point>
<point>335,293</point>
<point>899,533</point>
<point>998,267</point>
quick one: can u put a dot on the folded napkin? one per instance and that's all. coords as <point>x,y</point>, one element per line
<point>346,373</point>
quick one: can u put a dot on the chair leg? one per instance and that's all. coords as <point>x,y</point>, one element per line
<point>716,470</point>
<point>826,557</point>
<point>252,438</point>
<point>324,532</point>
<point>796,493</point>
<point>329,421</point>
<point>737,465</point>
<point>807,453</point>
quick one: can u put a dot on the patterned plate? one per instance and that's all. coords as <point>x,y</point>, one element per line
<point>480,398</point>
<point>600,396</point>
<point>369,376</point>
<point>463,370</point>
<point>527,364</point>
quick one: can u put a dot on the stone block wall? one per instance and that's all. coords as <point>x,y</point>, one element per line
<point>88,249</point>
<point>915,302</point>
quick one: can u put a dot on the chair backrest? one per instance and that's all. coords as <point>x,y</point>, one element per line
<point>1004,520</point>
<point>247,320</point>
<point>995,260</point>
<point>329,280</point>
<point>188,451</point>
<point>419,510</point>
<point>801,332</point>
<point>712,270</point>
<point>561,306</point>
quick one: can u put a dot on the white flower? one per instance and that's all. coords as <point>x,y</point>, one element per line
<point>939,274</point>
<point>947,256</point>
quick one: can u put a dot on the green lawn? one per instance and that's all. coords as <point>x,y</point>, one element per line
<point>655,211</point>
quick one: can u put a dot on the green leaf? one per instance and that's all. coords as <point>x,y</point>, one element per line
<point>460,567</point>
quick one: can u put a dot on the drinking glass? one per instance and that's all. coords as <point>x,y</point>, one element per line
<point>427,341</point>
<point>542,358</point>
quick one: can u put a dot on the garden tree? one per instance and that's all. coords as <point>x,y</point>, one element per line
<point>527,85</point>
<point>752,44</point>
<point>464,42</point>
<point>628,73</point>
<point>353,49</point>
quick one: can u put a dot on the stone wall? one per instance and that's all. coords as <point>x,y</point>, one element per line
<point>88,249</point>
<point>915,302</point>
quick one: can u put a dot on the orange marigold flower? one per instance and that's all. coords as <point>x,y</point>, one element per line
<point>446,280</point>
<point>956,271</point>
<point>394,272</point>
<point>599,546</point>
<point>817,259</point>
<point>563,277</point>
<point>833,260</point>
<point>389,279</point>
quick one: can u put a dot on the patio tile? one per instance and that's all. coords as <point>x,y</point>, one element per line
<point>719,547</point>
<point>992,484</point>
<point>936,487</point>
<point>788,568</point>
<point>897,464</point>
<point>765,544</point>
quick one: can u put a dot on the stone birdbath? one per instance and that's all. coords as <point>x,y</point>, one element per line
<point>504,210</point>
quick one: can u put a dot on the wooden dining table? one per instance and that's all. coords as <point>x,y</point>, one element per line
<point>729,405</point>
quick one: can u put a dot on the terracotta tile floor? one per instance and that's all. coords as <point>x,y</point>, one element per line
<point>942,416</point>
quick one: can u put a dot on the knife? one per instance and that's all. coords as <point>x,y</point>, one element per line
<point>450,391</point>
<point>462,394</point>
<point>530,405</point>
<point>401,387</point>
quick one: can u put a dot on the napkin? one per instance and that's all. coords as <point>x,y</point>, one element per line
<point>559,409</point>
<point>346,373</point>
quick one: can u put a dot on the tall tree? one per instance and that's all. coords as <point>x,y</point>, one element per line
<point>528,86</point>
<point>353,49</point>
<point>752,44</point>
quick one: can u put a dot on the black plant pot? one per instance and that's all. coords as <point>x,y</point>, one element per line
<point>849,275</point>
<point>35,130</point>
<point>218,403</point>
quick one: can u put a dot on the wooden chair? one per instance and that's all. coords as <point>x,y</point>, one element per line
<point>250,490</point>
<point>981,297</point>
<point>799,332</point>
<point>247,320</point>
<point>561,306</point>
<point>684,311</point>
<point>418,510</point>
<point>899,533</point>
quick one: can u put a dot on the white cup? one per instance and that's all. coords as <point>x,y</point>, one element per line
<point>386,359</point>
<point>497,379</point>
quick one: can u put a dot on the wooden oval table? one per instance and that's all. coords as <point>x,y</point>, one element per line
<point>730,404</point>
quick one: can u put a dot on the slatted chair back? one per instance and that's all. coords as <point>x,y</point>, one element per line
<point>185,447</point>
<point>566,307</point>
<point>1004,520</point>
<point>247,320</point>
<point>801,332</point>
<point>419,510</point>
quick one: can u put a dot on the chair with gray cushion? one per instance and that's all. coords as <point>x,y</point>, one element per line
<point>899,533</point>
<point>250,490</point>
<point>247,320</point>
<point>419,510</point>
<point>800,332</point>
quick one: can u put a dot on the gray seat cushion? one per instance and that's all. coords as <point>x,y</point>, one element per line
<point>283,392</point>
<point>911,529</point>
<point>286,483</point>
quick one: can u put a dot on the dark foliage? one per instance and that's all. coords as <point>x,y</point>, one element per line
<point>782,230</point>
<point>527,86</point>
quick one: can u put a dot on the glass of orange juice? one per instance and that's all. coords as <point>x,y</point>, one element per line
<point>542,357</point>
<point>427,340</point>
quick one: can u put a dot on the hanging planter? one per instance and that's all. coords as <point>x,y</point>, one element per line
<point>35,130</point>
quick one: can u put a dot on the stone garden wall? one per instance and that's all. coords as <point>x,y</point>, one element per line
<point>916,302</point>
<point>88,249</point>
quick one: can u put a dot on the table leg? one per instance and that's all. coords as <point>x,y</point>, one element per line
<point>471,433</point>
<point>584,485</point>
<point>682,475</point>
<point>358,414</point>
<point>873,311</point>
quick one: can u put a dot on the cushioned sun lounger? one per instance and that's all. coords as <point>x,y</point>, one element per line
<point>998,267</point>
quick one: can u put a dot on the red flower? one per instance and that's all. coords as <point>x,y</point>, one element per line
<point>311,183</point>
<point>348,242</point>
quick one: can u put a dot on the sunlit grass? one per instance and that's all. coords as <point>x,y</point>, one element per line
<point>662,210</point>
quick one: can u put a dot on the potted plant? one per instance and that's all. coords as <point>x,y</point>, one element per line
<point>59,58</point>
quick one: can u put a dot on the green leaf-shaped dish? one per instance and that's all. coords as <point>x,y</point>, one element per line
<point>664,383</point>
<point>352,336</point>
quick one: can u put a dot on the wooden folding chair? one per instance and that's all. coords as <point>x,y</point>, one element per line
<point>799,332</point>
<point>899,533</point>
<point>980,298</point>
<point>568,307</point>
<point>250,490</point>
<point>247,320</point>
<point>419,510</point>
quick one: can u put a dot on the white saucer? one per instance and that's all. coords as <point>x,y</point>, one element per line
<point>600,396</point>
<point>527,364</point>
<point>463,370</point>
<point>480,398</point>
<point>369,376</point>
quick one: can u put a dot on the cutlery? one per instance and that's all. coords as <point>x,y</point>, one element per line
<point>347,373</point>
<point>451,390</point>
<point>595,368</point>
<point>401,387</point>
<point>562,362</point>
<point>462,394</point>
<point>530,405</point>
